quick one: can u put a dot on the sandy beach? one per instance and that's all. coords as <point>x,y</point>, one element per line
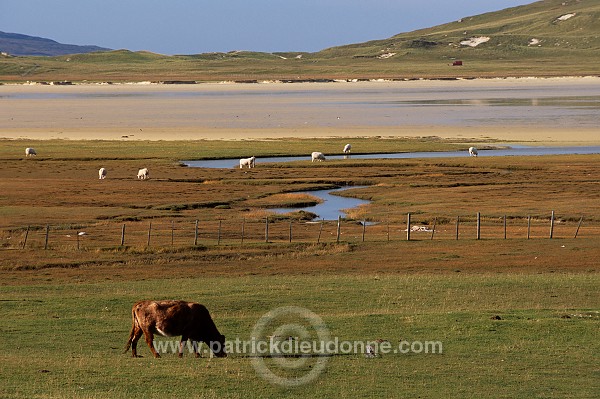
<point>304,110</point>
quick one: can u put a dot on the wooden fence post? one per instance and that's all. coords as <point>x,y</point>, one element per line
<point>219,234</point>
<point>26,235</point>
<point>578,226</point>
<point>123,235</point>
<point>433,228</point>
<point>77,236</point>
<point>552,225</point>
<point>388,228</point>
<point>478,225</point>
<point>528,226</point>
<point>320,231</point>
<point>505,227</point>
<point>196,233</point>
<point>457,224</point>
<point>243,228</point>
<point>47,233</point>
<point>149,233</point>
<point>290,231</point>
<point>172,233</point>
<point>408,226</point>
<point>267,229</point>
<point>363,230</point>
<point>339,229</point>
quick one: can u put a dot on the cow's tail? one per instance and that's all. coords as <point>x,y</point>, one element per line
<point>134,326</point>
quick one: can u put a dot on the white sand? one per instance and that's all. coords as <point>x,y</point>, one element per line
<point>257,111</point>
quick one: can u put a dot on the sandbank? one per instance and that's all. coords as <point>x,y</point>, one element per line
<point>268,111</point>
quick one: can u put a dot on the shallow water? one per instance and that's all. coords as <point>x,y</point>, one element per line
<point>512,151</point>
<point>555,104</point>
<point>332,205</point>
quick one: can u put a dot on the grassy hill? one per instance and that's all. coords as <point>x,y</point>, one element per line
<point>545,38</point>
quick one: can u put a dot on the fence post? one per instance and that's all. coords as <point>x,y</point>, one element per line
<point>172,233</point>
<point>77,235</point>
<point>552,225</point>
<point>196,233</point>
<point>243,228</point>
<point>26,235</point>
<point>478,225</point>
<point>388,228</point>
<point>408,226</point>
<point>433,228</point>
<point>149,233</point>
<point>578,226</point>
<point>528,226</point>
<point>320,231</point>
<point>267,229</point>
<point>219,234</point>
<point>339,229</point>
<point>47,233</point>
<point>457,224</point>
<point>290,231</point>
<point>363,230</point>
<point>505,227</point>
<point>123,235</point>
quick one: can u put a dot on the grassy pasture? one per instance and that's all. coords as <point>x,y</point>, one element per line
<point>517,318</point>
<point>66,340</point>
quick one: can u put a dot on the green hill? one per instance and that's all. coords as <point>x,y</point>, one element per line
<point>545,38</point>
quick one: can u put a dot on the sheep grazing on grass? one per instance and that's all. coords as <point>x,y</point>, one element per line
<point>472,152</point>
<point>347,148</point>
<point>250,162</point>
<point>101,173</point>
<point>29,152</point>
<point>143,174</point>
<point>317,156</point>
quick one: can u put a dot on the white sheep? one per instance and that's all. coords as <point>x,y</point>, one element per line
<point>347,148</point>
<point>143,174</point>
<point>472,151</point>
<point>251,162</point>
<point>29,152</point>
<point>101,173</point>
<point>317,156</point>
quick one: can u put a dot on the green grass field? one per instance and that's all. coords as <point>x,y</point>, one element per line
<point>66,340</point>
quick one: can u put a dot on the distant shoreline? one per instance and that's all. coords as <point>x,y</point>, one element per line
<point>295,81</point>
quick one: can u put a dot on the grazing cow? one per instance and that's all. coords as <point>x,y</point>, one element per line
<point>101,173</point>
<point>347,148</point>
<point>317,156</point>
<point>472,151</point>
<point>172,318</point>
<point>29,152</point>
<point>251,162</point>
<point>143,174</point>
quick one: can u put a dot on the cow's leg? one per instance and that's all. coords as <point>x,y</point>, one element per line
<point>150,341</point>
<point>197,346</point>
<point>135,336</point>
<point>182,344</point>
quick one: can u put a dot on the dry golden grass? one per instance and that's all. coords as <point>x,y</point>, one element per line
<point>67,195</point>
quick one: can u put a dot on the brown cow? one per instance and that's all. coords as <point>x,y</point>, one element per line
<point>172,318</point>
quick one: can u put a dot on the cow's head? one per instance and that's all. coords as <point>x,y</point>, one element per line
<point>217,346</point>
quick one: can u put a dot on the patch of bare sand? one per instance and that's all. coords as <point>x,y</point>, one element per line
<point>263,111</point>
<point>524,135</point>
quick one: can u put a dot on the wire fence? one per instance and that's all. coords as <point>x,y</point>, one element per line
<point>191,233</point>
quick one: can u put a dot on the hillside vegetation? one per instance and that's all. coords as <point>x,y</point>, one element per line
<point>545,38</point>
